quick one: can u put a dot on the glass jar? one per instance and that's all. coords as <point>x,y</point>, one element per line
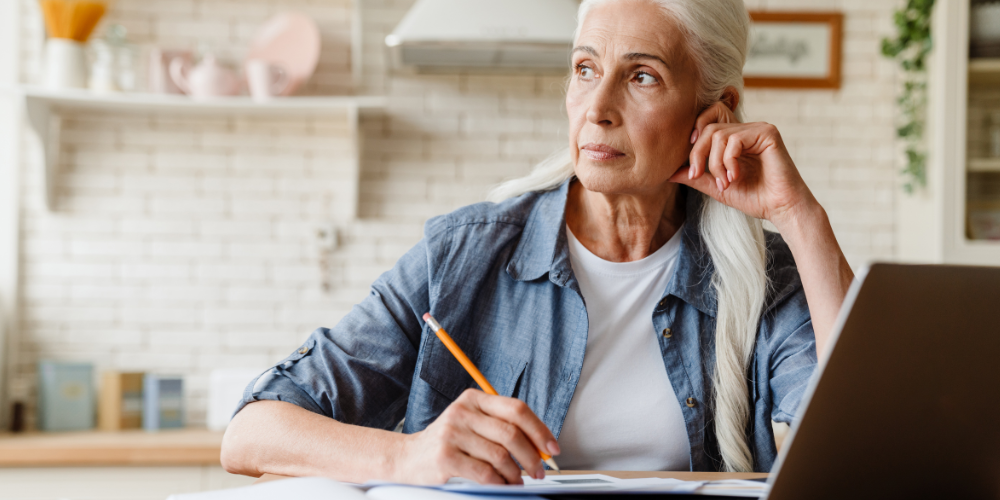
<point>125,57</point>
<point>102,69</point>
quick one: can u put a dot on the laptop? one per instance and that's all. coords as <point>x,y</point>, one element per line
<point>907,402</point>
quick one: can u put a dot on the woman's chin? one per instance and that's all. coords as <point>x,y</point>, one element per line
<point>608,180</point>
<point>614,179</point>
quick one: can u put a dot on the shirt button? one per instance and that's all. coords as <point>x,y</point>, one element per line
<point>691,402</point>
<point>667,333</point>
<point>303,350</point>
<point>663,302</point>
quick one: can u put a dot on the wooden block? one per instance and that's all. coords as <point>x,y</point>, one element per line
<point>109,405</point>
<point>132,400</point>
<point>120,405</point>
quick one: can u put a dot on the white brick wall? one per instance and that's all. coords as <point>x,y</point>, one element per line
<point>843,141</point>
<point>183,244</point>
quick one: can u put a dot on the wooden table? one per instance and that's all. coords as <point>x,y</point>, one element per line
<point>92,448</point>
<point>684,476</point>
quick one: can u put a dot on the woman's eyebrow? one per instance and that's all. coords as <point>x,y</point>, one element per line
<point>631,56</point>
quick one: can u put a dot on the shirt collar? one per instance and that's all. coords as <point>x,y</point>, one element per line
<point>544,249</point>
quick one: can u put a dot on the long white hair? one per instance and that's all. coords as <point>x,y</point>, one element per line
<point>717,36</point>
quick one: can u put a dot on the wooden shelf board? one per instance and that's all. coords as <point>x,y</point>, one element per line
<point>984,165</point>
<point>984,71</point>
<point>132,447</point>
<point>983,204</point>
<point>984,65</point>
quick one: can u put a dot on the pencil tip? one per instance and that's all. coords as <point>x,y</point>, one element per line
<point>552,463</point>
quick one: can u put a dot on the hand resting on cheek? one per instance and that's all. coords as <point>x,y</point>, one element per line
<point>743,165</point>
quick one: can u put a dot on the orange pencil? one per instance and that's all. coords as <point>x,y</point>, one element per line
<point>476,374</point>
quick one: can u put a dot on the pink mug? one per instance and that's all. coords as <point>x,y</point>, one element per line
<point>207,80</point>
<point>265,80</point>
<point>159,79</point>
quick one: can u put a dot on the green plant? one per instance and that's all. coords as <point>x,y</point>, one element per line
<point>910,47</point>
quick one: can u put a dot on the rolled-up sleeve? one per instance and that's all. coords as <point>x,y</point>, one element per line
<point>359,371</point>
<point>792,356</point>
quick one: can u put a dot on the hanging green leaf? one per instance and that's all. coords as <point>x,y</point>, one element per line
<point>910,48</point>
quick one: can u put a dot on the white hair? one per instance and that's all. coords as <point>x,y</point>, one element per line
<point>717,37</point>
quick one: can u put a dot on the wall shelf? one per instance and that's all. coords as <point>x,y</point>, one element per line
<point>984,165</point>
<point>45,107</point>
<point>177,104</point>
<point>984,71</point>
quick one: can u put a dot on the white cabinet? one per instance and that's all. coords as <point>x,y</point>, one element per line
<point>112,483</point>
<point>950,221</point>
<point>132,464</point>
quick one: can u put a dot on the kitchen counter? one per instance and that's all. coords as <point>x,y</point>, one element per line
<point>93,448</point>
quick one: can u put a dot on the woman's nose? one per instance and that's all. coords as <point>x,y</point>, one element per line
<point>603,109</point>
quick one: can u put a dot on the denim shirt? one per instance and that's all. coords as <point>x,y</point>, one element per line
<point>498,279</point>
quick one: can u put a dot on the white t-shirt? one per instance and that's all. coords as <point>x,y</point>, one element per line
<point>624,414</point>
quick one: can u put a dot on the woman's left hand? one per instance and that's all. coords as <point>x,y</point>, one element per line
<point>748,166</point>
<point>750,170</point>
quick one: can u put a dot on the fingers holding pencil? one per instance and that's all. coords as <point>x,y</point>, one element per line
<point>465,441</point>
<point>509,410</point>
<point>515,410</point>
<point>506,432</point>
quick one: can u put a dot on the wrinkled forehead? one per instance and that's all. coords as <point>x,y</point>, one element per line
<point>615,28</point>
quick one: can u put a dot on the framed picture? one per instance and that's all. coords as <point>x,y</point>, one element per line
<point>794,50</point>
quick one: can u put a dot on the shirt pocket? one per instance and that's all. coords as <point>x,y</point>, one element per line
<point>443,373</point>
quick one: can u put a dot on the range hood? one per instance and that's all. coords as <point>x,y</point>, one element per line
<point>486,33</point>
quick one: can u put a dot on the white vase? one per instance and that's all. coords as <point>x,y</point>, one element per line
<point>65,64</point>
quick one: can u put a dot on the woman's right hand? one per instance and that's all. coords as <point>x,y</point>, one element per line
<point>475,438</point>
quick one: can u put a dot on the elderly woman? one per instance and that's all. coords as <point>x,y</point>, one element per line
<point>622,298</point>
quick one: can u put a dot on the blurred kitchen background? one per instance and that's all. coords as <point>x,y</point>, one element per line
<point>187,243</point>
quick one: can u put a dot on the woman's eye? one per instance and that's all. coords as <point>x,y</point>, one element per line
<point>586,71</point>
<point>644,78</point>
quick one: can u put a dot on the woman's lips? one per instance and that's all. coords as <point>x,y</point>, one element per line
<point>601,152</point>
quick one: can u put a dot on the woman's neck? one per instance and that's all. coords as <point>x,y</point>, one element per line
<point>624,228</point>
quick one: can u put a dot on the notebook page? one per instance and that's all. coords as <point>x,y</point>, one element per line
<point>300,488</point>
<point>417,493</point>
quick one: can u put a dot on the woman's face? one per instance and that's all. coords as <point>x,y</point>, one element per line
<point>631,100</point>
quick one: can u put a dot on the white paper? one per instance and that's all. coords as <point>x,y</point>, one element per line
<point>300,488</point>
<point>418,493</point>
<point>587,483</point>
<point>317,488</point>
<point>734,488</point>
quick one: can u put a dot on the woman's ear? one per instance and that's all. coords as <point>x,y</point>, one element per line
<point>731,98</point>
